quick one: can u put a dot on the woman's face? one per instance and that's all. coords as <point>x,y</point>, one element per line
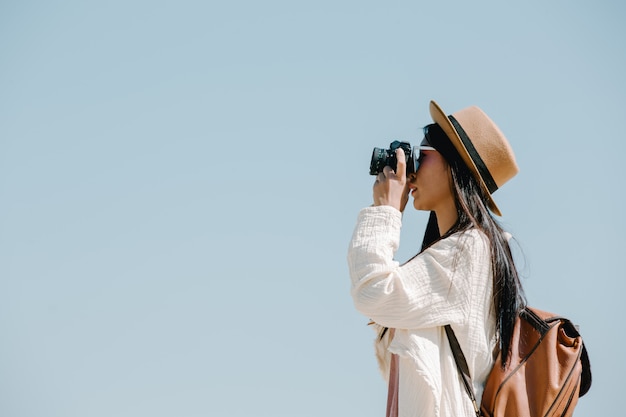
<point>431,186</point>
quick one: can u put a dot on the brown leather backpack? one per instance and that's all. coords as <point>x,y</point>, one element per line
<point>548,369</point>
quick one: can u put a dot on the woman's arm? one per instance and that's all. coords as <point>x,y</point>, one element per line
<point>433,289</point>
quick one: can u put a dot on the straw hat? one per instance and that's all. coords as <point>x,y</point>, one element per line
<point>482,146</point>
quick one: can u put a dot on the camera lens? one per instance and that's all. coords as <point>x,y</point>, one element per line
<point>379,160</point>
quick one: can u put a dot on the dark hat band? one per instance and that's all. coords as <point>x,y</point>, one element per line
<point>483,171</point>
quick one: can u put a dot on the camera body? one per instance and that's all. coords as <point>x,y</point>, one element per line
<point>387,157</point>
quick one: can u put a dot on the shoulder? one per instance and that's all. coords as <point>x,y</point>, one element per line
<point>467,241</point>
<point>453,254</point>
<point>464,253</point>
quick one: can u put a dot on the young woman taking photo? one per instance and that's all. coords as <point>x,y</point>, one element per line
<point>464,275</point>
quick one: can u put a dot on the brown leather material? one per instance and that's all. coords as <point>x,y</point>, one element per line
<point>394,386</point>
<point>461,366</point>
<point>547,371</point>
<point>394,382</point>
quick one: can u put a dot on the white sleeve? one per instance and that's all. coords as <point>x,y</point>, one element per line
<point>433,289</point>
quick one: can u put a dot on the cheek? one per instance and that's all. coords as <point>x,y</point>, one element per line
<point>444,178</point>
<point>432,172</point>
<point>435,180</point>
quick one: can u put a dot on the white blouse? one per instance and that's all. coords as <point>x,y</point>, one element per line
<point>448,283</point>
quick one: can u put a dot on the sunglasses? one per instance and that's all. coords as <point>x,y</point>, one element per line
<point>425,145</point>
<point>417,153</point>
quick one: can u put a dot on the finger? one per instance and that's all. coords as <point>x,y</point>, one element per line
<point>389,172</point>
<point>401,169</point>
<point>380,177</point>
<point>404,201</point>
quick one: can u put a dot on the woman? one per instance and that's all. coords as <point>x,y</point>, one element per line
<point>464,276</point>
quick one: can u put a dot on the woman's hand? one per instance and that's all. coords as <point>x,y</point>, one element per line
<point>390,188</point>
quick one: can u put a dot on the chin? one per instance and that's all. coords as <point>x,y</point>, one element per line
<point>418,205</point>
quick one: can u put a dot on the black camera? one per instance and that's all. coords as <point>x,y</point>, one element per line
<point>383,157</point>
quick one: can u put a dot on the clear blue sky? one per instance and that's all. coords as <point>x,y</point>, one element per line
<point>179,182</point>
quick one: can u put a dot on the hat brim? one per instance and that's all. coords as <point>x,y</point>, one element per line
<point>440,117</point>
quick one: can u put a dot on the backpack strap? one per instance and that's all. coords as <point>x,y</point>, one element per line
<point>461,365</point>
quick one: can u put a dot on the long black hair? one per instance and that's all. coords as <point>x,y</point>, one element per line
<point>472,211</point>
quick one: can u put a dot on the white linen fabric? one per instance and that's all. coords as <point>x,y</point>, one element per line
<point>448,283</point>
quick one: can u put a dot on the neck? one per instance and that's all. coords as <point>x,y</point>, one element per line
<point>446,218</point>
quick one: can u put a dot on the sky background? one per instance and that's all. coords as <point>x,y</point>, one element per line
<point>179,182</point>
